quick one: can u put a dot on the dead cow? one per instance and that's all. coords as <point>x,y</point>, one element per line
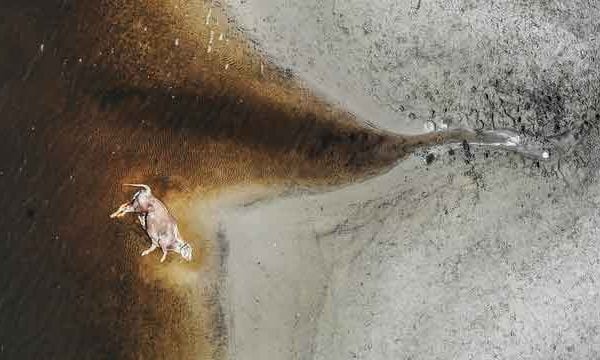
<point>158,223</point>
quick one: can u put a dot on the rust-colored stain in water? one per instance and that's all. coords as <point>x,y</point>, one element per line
<point>97,93</point>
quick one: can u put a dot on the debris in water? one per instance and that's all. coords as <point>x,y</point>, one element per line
<point>545,155</point>
<point>430,125</point>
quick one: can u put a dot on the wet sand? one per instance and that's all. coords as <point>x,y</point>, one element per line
<point>483,257</point>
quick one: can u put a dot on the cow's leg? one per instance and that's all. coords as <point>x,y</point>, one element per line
<point>149,250</point>
<point>122,210</point>
<point>142,219</point>
<point>163,247</point>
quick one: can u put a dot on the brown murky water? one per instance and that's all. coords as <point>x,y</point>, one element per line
<point>97,93</point>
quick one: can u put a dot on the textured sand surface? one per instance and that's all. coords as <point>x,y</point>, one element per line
<point>418,263</point>
<point>491,257</point>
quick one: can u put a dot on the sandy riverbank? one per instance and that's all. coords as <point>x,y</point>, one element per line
<point>494,258</point>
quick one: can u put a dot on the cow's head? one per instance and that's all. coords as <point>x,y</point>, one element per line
<point>141,196</point>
